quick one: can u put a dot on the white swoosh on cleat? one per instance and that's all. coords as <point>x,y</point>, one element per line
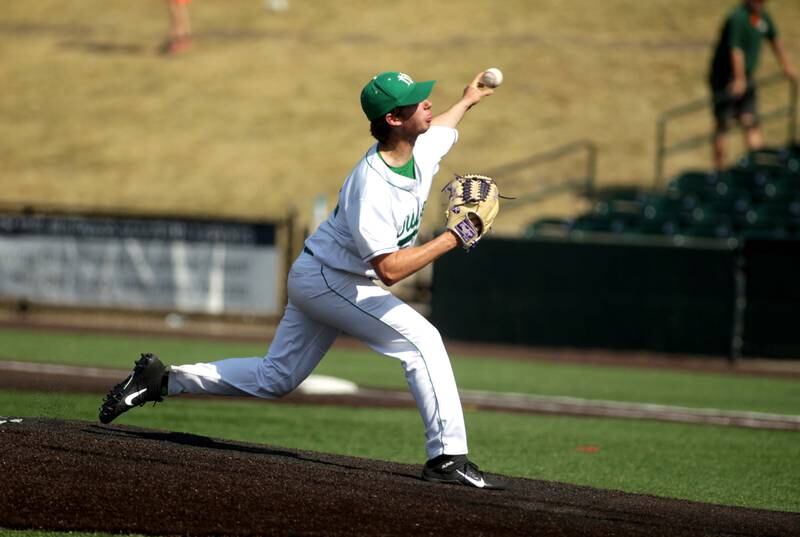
<point>134,395</point>
<point>480,483</point>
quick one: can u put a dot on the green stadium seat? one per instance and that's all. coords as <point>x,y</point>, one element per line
<point>766,158</point>
<point>794,207</point>
<point>793,159</point>
<point>732,209</point>
<point>767,220</point>
<point>740,179</point>
<point>769,211</point>
<point>727,191</point>
<point>591,222</point>
<point>760,195</point>
<point>604,207</point>
<point>761,234</point>
<point>547,226</point>
<point>657,226</point>
<point>660,214</point>
<point>711,231</point>
<point>663,205</point>
<point>617,215</point>
<point>708,220</point>
<point>772,161</point>
<point>696,183</point>
<point>783,187</point>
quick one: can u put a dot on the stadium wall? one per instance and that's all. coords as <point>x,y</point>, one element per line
<point>704,297</point>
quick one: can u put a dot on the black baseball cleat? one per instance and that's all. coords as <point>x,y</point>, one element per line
<point>142,385</point>
<point>458,470</point>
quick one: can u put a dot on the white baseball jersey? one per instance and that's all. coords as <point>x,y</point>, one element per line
<point>331,291</point>
<point>379,211</point>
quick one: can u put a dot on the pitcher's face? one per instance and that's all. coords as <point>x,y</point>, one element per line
<point>417,117</point>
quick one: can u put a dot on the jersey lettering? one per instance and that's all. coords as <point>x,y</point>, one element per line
<point>410,228</point>
<point>411,222</point>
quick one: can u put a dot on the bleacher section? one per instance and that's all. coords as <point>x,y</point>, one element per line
<point>759,197</point>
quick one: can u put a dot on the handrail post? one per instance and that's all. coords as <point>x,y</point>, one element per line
<point>792,111</point>
<point>661,135</point>
<point>582,185</point>
<point>591,168</point>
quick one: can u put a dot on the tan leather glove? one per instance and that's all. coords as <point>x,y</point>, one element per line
<point>473,205</point>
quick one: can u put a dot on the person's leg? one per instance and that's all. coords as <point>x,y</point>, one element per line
<point>723,114</point>
<point>748,118</point>
<point>718,150</point>
<point>298,346</point>
<point>362,309</point>
<point>180,25</point>
<point>753,138</point>
<point>179,38</point>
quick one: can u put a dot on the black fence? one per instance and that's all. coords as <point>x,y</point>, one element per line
<point>772,298</point>
<point>722,298</point>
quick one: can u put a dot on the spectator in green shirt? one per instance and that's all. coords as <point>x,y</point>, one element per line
<point>732,73</point>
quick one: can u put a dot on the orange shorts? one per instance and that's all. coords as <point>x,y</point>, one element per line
<point>184,2</point>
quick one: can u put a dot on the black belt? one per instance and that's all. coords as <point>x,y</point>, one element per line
<point>307,250</point>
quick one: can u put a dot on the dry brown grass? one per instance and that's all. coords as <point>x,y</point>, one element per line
<point>263,113</point>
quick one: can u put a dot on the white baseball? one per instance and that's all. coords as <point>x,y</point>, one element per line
<point>492,77</point>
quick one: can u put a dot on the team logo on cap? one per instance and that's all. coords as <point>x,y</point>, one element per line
<point>402,77</point>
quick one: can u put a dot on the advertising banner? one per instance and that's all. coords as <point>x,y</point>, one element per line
<point>202,266</point>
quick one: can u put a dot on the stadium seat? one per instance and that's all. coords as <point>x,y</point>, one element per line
<point>711,231</point>
<point>692,183</point>
<point>657,215</point>
<point>732,209</point>
<point>794,207</point>
<point>547,226</point>
<point>708,221</point>
<point>590,222</point>
<point>773,161</point>
<point>663,205</point>
<point>767,219</point>
<point>618,215</point>
<point>657,226</point>
<point>764,158</point>
<point>758,196</point>
<point>793,159</point>
<point>731,201</point>
<point>783,187</point>
<point>740,179</point>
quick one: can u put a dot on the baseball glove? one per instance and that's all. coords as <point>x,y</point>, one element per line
<point>472,207</point>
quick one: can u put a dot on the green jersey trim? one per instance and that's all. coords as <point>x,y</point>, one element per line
<point>406,170</point>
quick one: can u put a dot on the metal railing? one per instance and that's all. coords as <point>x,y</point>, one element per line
<point>583,184</point>
<point>663,150</point>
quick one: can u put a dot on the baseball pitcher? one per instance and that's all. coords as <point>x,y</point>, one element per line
<point>371,235</point>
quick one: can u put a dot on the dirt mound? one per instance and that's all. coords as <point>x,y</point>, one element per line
<point>72,475</point>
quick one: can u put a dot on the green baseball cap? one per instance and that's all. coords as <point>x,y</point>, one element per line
<point>387,91</point>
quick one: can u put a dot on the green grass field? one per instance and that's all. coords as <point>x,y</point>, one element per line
<point>699,390</point>
<point>704,463</point>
